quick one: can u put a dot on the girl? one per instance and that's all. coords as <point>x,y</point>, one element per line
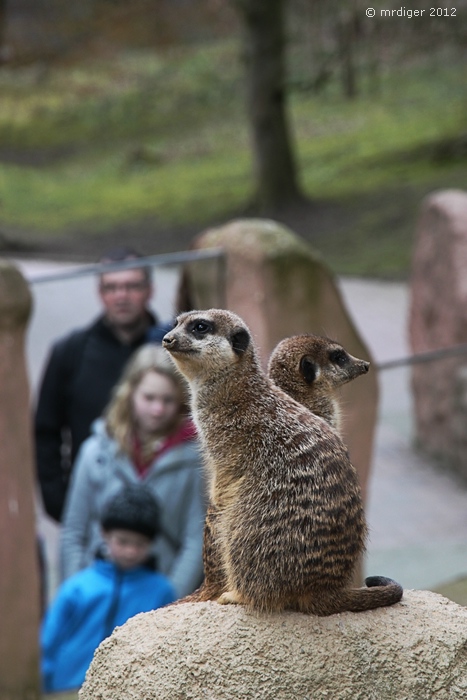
<point>144,436</point>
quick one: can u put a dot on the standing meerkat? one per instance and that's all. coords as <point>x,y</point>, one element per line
<point>311,369</point>
<point>290,525</point>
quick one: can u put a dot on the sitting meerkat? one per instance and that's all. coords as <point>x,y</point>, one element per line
<point>290,523</point>
<point>311,369</point>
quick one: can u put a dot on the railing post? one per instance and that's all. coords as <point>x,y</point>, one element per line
<point>19,577</point>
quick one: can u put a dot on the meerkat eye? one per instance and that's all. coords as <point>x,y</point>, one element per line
<point>201,327</point>
<point>339,357</point>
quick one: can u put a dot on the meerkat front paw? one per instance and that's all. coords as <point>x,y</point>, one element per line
<point>229,598</point>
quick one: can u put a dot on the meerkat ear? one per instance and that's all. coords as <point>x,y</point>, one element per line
<point>240,340</point>
<point>307,370</point>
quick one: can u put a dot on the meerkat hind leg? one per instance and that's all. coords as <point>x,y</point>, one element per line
<point>231,597</point>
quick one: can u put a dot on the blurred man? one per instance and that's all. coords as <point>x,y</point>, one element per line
<point>82,369</point>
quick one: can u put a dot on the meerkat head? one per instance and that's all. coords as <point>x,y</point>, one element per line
<point>308,365</point>
<point>205,343</point>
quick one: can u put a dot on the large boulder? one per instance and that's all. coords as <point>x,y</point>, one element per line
<point>280,286</point>
<point>414,650</point>
<point>438,319</point>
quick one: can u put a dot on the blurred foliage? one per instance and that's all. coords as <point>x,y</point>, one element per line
<point>54,30</point>
<point>133,94</point>
<point>334,42</point>
<point>164,134</point>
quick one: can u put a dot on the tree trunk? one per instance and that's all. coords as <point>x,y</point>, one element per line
<point>346,41</point>
<point>3,47</point>
<point>275,170</point>
<point>374,41</point>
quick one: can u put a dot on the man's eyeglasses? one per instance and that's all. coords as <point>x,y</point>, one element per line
<point>129,287</point>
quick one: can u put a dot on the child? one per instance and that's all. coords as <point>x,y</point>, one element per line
<point>91,603</point>
<point>146,437</point>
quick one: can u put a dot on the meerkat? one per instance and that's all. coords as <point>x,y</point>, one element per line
<point>311,369</point>
<point>289,524</point>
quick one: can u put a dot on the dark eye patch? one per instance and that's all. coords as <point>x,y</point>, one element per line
<point>338,357</point>
<point>307,370</point>
<point>201,327</point>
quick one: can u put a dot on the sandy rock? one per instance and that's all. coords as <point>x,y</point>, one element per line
<point>415,650</point>
<point>438,320</point>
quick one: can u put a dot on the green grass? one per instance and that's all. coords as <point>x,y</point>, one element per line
<point>97,193</point>
<point>164,135</point>
<point>455,590</point>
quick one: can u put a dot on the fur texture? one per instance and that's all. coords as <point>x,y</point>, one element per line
<point>289,522</point>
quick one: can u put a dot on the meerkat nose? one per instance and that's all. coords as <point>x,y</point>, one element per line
<point>168,341</point>
<point>366,366</point>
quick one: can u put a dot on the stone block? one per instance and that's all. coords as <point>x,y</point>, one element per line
<point>438,319</point>
<point>19,577</point>
<point>415,649</point>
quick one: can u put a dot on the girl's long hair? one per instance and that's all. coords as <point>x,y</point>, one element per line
<point>118,415</point>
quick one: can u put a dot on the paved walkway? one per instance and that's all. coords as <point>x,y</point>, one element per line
<point>417,515</point>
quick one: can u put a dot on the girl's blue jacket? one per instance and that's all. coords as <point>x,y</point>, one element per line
<point>87,607</point>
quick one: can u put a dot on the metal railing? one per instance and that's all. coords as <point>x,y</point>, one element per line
<point>165,259</point>
<point>179,258</point>
<point>428,356</point>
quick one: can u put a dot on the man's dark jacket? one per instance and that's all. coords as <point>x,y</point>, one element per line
<point>78,380</point>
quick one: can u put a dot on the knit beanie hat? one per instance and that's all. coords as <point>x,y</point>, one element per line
<point>134,508</point>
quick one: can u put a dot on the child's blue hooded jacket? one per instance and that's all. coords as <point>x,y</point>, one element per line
<point>87,607</point>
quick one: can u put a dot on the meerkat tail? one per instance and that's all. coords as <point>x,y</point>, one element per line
<point>379,592</point>
<point>373,581</point>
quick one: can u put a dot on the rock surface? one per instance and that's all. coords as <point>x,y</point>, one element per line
<point>438,319</point>
<point>415,650</point>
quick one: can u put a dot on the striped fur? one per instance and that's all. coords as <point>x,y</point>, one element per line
<point>285,499</point>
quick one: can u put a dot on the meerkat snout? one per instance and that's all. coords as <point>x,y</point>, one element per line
<point>169,342</point>
<point>343,361</point>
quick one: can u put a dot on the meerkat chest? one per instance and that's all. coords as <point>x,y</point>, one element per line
<point>225,424</point>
